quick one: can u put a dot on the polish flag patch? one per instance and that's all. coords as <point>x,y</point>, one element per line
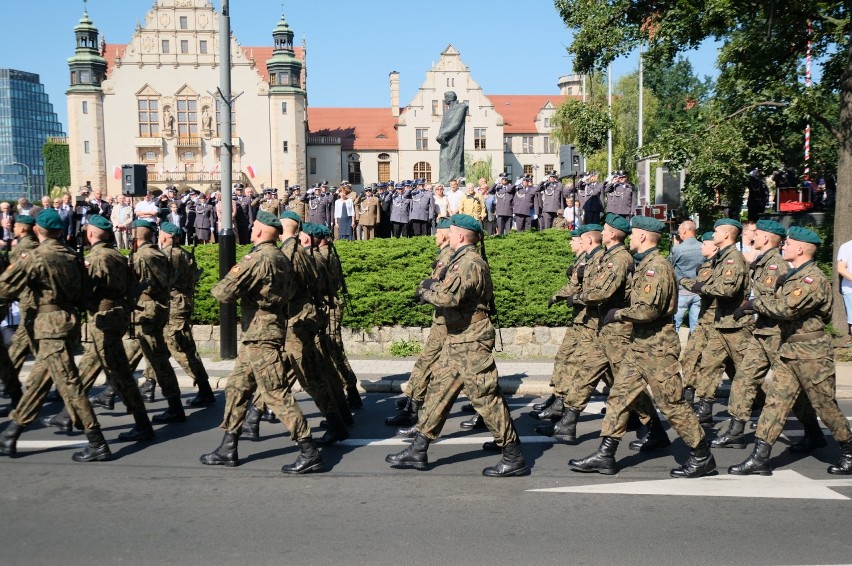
<point>808,280</point>
<point>649,273</point>
<point>730,262</point>
<point>773,268</point>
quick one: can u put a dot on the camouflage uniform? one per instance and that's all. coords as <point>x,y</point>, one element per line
<point>696,344</point>
<point>805,362</point>
<point>652,359</point>
<point>24,338</point>
<point>263,278</point>
<point>55,277</point>
<point>466,360</point>
<point>334,314</point>
<point>563,366</point>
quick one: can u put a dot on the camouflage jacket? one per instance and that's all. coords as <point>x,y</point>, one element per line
<point>802,307</point>
<point>465,294</point>
<point>729,286</point>
<point>440,267</point>
<point>653,296</point>
<point>707,311</point>
<point>589,316</point>
<point>154,272</point>
<point>307,282</point>
<point>765,271</point>
<point>107,279</point>
<point>55,277</point>
<point>607,284</point>
<point>574,286</point>
<point>24,244</point>
<point>264,281</point>
<point>184,277</point>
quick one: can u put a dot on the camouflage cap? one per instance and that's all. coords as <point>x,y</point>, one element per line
<point>290,215</point>
<point>267,219</point>
<point>99,221</point>
<point>141,223</point>
<point>728,222</point>
<point>707,237</point>
<point>171,229</point>
<point>648,224</point>
<point>586,228</point>
<point>25,219</point>
<point>617,222</point>
<point>772,227</point>
<point>443,224</point>
<point>49,220</point>
<point>466,222</point>
<point>803,235</point>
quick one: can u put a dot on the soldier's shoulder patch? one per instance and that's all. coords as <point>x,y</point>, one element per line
<point>797,292</point>
<point>808,280</point>
<point>729,261</point>
<point>647,289</point>
<point>728,272</point>
<point>236,269</point>
<point>768,280</point>
<point>773,268</point>
<point>649,273</point>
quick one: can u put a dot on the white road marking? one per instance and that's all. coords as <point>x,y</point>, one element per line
<point>784,484</point>
<point>47,444</point>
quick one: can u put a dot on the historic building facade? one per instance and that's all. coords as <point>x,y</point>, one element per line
<point>153,101</point>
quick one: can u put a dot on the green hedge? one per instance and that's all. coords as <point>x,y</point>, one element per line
<point>382,274</point>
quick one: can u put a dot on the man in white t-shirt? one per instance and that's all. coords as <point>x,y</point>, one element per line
<point>844,269</point>
<point>147,209</point>
<point>454,197</point>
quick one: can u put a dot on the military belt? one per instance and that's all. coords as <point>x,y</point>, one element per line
<point>42,309</point>
<point>806,337</point>
<point>268,312</point>
<point>465,322</point>
<point>107,304</point>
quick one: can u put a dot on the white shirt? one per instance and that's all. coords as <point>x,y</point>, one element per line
<point>845,254</point>
<point>338,208</point>
<point>454,200</point>
<point>146,208</point>
<point>441,204</point>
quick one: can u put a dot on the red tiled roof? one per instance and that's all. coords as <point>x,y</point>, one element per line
<point>358,128</point>
<point>520,110</point>
<point>110,52</point>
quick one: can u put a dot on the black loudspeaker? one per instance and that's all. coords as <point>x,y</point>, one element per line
<point>134,180</point>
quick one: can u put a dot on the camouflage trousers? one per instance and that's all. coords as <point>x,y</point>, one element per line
<point>54,362</point>
<point>652,361</point>
<point>22,344</point>
<point>761,355</point>
<point>564,365</point>
<point>328,372</point>
<point>690,357</point>
<point>812,373</point>
<point>599,356</point>
<point>150,342</point>
<point>341,362</point>
<point>469,366</point>
<point>722,347</point>
<point>262,367</point>
<point>421,375</point>
<point>181,346</point>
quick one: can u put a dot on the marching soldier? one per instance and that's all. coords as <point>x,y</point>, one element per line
<point>466,360</point>
<point>652,359</point>
<point>504,194</point>
<point>55,278</point>
<point>801,305</point>
<point>264,279</point>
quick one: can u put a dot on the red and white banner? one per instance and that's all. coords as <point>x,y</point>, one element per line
<point>250,171</point>
<point>116,173</point>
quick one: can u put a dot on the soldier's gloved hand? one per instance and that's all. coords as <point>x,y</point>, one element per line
<point>609,318</point>
<point>780,281</point>
<point>743,309</point>
<point>569,272</point>
<point>581,271</point>
<point>631,267</point>
<point>552,301</point>
<point>569,300</point>
<point>697,286</point>
<point>428,283</point>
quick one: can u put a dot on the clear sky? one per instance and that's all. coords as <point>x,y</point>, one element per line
<point>511,47</point>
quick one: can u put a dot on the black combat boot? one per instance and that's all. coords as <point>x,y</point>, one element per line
<point>105,399</point>
<point>251,426</point>
<point>226,454</point>
<point>61,420</point>
<point>689,395</point>
<point>96,451</point>
<point>408,432</point>
<point>400,403</point>
<point>147,390</point>
<point>491,446</point>
<point>553,413</point>
<point>15,395</point>
<point>656,439</point>
<point>634,423</point>
<point>704,412</point>
<point>511,464</point>
<point>269,416</point>
<point>545,404</point>
<point>414,456</point>
<point>407,416</point>
<point>734,437</point>
<point>335,432</point>
<point>204,397</point>
<point>601,461</point>
<point>844,465</point>
<point>565,429</point>
<point>813,439</point>
<point>757,463</point>
<point>700,463</point>
<point>9,439</point>
<point>476,422</point>
<point>468,408</point>
<point>142,431</point>
<point>309,460</point>
<point>353,397</point>
<point>174,414</point>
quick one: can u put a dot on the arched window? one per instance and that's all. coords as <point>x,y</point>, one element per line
<point>422,170</point>
<point>384,157</point>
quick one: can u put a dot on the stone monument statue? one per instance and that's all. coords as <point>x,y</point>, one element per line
<point>451,139</point>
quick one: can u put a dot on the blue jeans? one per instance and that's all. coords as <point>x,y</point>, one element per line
<point>691,302</point>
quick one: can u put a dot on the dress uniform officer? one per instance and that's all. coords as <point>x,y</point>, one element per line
<point>504,194</point>
<point>269,203</point>
<point>525,204</point>
<point>422,209</point>
<point>589,194</point>
<point>369,213</point>
<point>619,195</point>
<point>400,207</point>
<point>652,359</point>
<point>802,306</point>
<point>552,200</point>
<point>318,205</point>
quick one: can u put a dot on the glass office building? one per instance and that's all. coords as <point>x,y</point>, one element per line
<point>27,119</point>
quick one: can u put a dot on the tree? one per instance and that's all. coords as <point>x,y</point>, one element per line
<point>760,91</point>
<point>57,166</point>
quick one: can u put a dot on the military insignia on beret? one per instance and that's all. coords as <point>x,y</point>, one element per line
<point>649,273</point>
<point>773,268</point>
<point>730,262</point>
<point>236,269</point>
<point>769,280</point>
<point>808,280</point>
<point>647,289</point>
<point>797,292</point>
<point>728,272</point>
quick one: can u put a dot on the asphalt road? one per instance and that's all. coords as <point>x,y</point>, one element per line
<point>156,504</point>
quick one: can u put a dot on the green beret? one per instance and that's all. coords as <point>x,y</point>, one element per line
<point>576,233</point>
<point>728,222</point>
<point>99,221</point>
<point>707,237</point>
<point>170,228</point>
<point>307,228</point>
<point>267,219</point>
<point>466,222</point>
<point>49,220</point>
<point>443,224</point>
<point>327,232</point>
<point>290,215</point>
<point>590,228</point>
<point>648,224</point>
<point>617,222</point>
<point>772,227</point>
<point>803,235</point>
<point>142,223</point>
<point>25,219</point>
